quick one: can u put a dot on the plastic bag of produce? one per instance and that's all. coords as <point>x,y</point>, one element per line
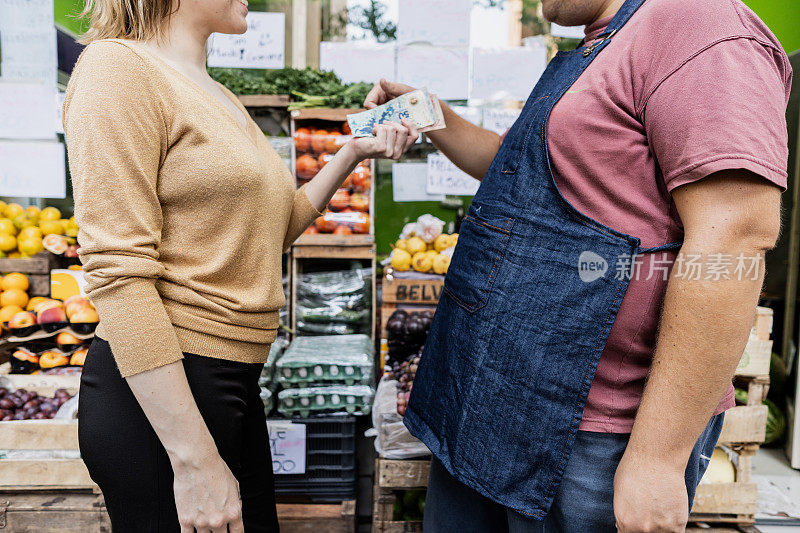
<point>331,359</point>
<point>355,400</point>
<point>352,287</point>
<point>268,372</point>
<point>429,227</point>
<point>392,439</point>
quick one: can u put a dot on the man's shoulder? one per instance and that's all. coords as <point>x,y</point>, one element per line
<point>700,23</point>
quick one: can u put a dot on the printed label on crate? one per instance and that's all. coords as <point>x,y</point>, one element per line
<point>287,442</point>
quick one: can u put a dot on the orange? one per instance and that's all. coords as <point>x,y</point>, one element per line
<point>15,280</point>
<point>7,242</point>
<point>14,297</point>
<point>34,303</point>
<point>50,213</point>
<point>8,311</point>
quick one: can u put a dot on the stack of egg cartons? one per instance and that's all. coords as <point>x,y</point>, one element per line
<point>326,374</point>
<point>267,381</point>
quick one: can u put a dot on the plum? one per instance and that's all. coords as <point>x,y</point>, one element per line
<point>7,403</point>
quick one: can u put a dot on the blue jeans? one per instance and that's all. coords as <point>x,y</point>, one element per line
<point>584,501</point>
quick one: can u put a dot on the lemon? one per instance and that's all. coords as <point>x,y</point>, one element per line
<point>422,262</point>
<point>50,213</point>
<point>6,226</point>
<point>30,246</point>
<point>50,227</point>
<point>402,244</point>
<point>7,242</point>
<point>415,245</point>
<point>15,255</point>
<point>441,263</point>
<point>22,221</point>
<point>453,239</point>
<point>3,206</point>
<point>15,280</point>
<point>432,254</point>
<point>13,210</point>
<point>401,260</point>
<point>441,242</point>
<point>14,297</point>
<point>30,231</point>
<point>32,211</point>
<point>71,232</point>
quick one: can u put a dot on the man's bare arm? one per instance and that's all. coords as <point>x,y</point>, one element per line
<point>704,328</point>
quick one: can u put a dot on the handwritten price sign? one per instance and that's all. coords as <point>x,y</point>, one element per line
<point>287,442</point>
<point>261,46</point>
<point>446,178</point>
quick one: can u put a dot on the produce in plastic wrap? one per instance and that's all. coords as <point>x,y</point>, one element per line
<point>347,359</point>
<point>355,400</point>
<point>334,303</point>
<point>393,440</point>
<point>268,372</point>
<point>266,397</point>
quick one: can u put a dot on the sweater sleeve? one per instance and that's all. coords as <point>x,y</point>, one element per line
<point>116,139</point>
<point>303,214</point>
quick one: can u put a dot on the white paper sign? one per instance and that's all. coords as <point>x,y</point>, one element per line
<point>439,22</point>
<point>32,169</point>
<point>446,178</point>
<point>409,183</point>
<point>470,114</point>
<point>29,55</point>
<point>506,74</point>
<point>287,442</point>
<point>444,71</point>
<point>26,111</point>
<point>262,46</point>
<point>28,14</point>
<point>570,32</point>
<point>60,111</point>
<point>499,120</point>
<point>358,61</point>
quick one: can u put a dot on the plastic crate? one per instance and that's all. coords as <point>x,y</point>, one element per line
<point>331,474</point>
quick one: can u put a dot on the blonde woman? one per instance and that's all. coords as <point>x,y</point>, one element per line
<point>184,212</point>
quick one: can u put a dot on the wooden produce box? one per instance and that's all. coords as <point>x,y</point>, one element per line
<point>317,517</point>
<point>43,384</point>
<point>390,476</point>
<point>729,502</point>
<point>388,308</point>
<point>62,511</point>
<point>264,100</point>
<point>346,209</point>
<point>36,268</point>
<point>41,474</point>
<point>755,360</point>
<point>412,291</point>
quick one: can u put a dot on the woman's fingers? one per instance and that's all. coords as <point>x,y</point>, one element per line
<point>413,135</point>
<point>237,526</point>
<point>400,142</point>
<point>379,143</point>
<point>391,139</point>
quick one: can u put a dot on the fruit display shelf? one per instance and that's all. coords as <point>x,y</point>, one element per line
<point>36,268</point>
<point>349,219</point>
<point>391,477</point>
<point>265,100</point>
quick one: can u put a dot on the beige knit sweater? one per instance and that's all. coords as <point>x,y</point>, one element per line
<point>183,214</point>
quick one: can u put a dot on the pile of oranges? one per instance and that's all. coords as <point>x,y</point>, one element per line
<point>14,295</point>
<point>348,210</point>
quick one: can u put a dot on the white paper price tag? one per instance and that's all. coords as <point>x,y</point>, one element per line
<point>287,443</point>
<point>32,169</point>
<point>261,46</point>
<point>26,111</point>
<point>446,178</point>
<point>441,22</point>
<point>499,120</point>
<point>409,183</point>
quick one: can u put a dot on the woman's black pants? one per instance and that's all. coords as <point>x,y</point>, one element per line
<point>130,465</point>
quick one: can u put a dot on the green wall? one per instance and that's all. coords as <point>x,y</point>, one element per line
<point>782,17</point>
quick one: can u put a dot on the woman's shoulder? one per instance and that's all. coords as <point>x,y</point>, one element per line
<point>106,58</point>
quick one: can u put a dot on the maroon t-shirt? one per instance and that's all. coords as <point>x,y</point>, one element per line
<point>685,89</point>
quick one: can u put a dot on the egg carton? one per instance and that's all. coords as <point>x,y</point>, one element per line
<point>267,398</point>
<point>267,377</point>
<point>345,359</point>
<point>354,400</point>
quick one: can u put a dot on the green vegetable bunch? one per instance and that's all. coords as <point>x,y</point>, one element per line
<point>308,87</point>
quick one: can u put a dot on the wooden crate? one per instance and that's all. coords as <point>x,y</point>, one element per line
<point>388,308</point>
<point>390,476</point>
<point>36,268</point>
<point>264,100</point>
<point>316,517</point>
<point>755,359</point>
<point>62,511</point>
<point>412,291</point>
<point>729,502</point>
<point>41,383</point>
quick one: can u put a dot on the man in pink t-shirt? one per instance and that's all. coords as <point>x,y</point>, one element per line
<point>676,132</point>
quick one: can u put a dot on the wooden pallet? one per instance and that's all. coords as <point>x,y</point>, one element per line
<point>390,476</point>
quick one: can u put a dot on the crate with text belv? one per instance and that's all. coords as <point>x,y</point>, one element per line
<point>398,504</point>
<point>727,494</point>
<point>348,219</point>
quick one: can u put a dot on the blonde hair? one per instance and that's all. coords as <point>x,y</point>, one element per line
<point>139,20</point>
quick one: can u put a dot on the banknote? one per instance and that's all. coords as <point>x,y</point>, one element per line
<point>416,107</point>
<point>437,111</point>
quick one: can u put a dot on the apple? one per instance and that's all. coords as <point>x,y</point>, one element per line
<point>53,358</point>
<point>49,304</point>
<point>66,338</point>
<point>51,315</point>
<point>23,319</point>
<point>85,320</point>
<point>78,357</point>
<point>75,303</point>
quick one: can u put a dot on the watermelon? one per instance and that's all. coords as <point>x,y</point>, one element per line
<point>776,420</point>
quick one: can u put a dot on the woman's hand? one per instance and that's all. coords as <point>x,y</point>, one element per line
<point>391,141</point>
<point>207,497</point>
<point>383,91</point>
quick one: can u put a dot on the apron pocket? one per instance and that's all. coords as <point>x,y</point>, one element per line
<point>476,260</point>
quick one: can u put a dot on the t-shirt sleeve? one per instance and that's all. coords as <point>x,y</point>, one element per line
<point>722,109</point>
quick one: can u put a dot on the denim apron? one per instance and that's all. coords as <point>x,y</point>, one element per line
<point>528,303</point>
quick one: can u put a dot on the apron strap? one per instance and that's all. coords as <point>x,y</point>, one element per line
<point>662,248</point>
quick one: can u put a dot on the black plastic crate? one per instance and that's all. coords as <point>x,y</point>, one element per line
<point>331,474</point>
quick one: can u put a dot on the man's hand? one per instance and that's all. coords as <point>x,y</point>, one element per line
<point>649,496</point>
<point>385,91</point>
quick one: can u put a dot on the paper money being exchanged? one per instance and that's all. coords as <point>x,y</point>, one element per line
<point>419,107</point>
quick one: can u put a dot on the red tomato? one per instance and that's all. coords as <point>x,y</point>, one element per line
<point>302,139</point>
<point>307,166</point>
<point>311,230</point>
<point>318,140</point>
<point>346,128</point>
<point>340,200</point>
<point>342,230</point>
<point>359,202</point>
<point>323,159</point>
<point>325,226</point>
